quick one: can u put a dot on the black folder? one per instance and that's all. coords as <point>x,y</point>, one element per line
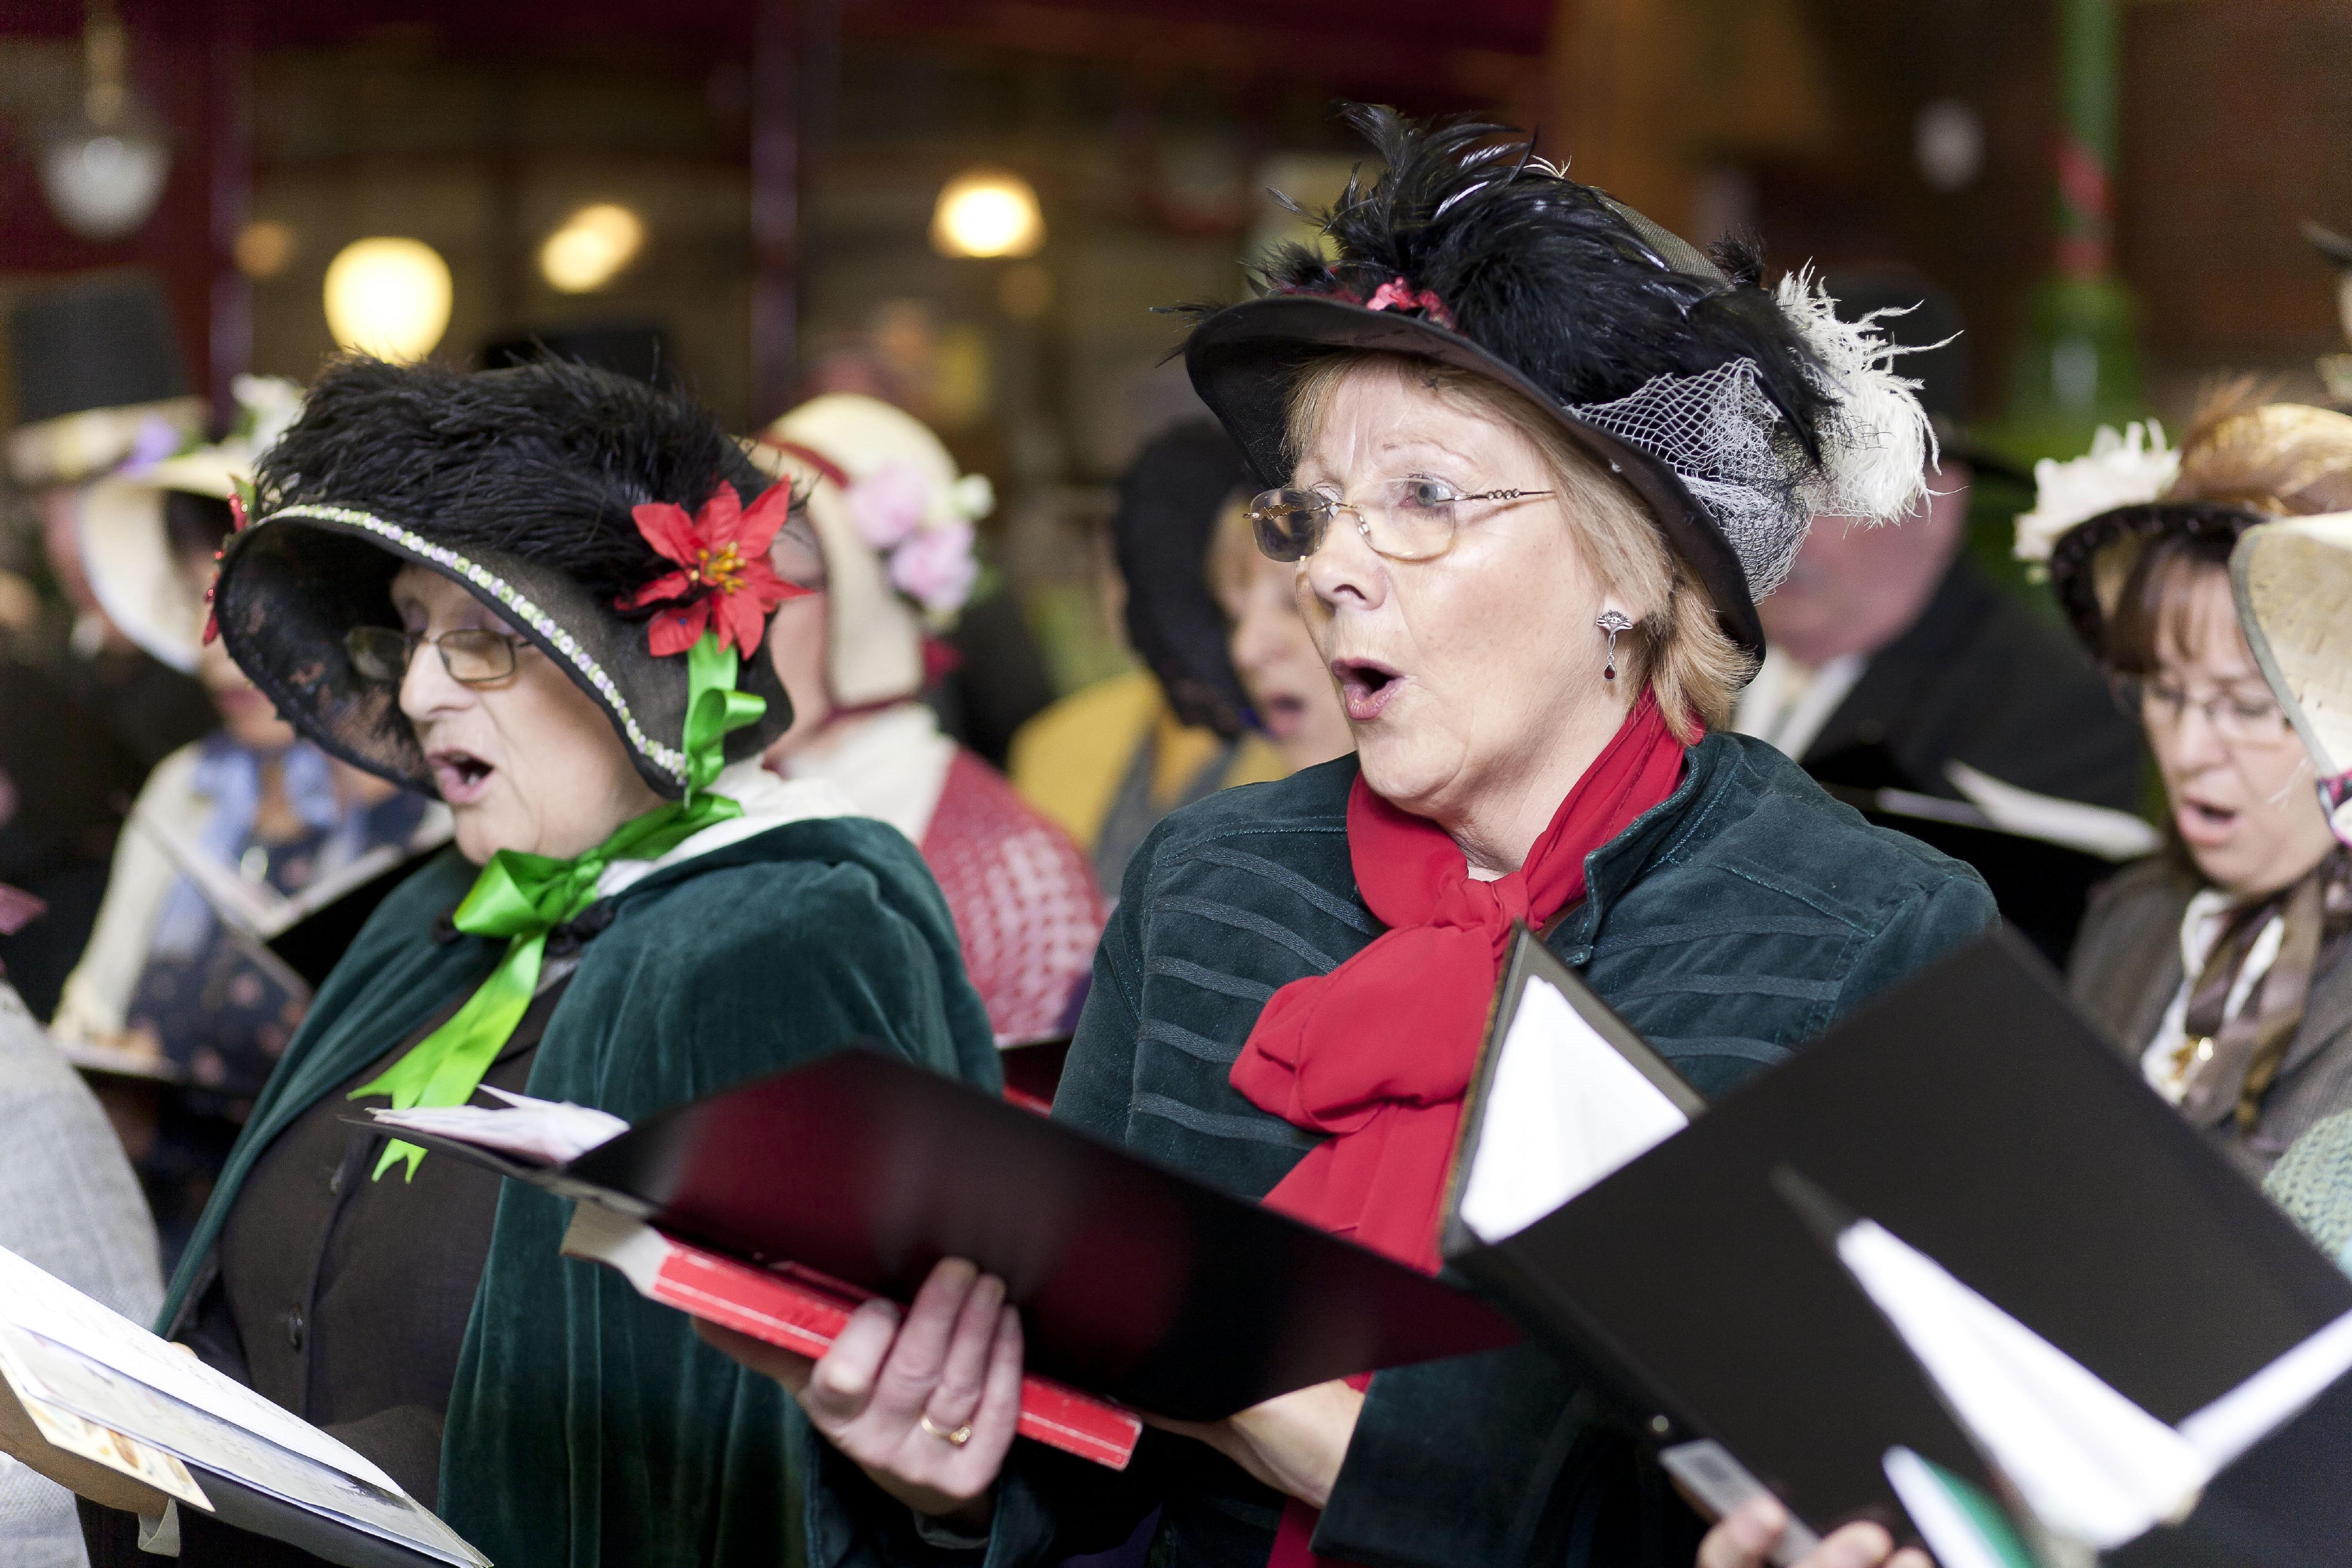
<point>1976,1116</point>
<point>1133,1281</point>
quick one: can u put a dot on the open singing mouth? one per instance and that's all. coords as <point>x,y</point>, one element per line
<point>1365,686</point>
<point>461,774</point>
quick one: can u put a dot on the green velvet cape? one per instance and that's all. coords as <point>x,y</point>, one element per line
<point>588,1425</point>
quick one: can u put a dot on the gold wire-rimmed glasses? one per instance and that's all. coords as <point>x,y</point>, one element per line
<point>1404,520</point>
<point>472,657</point>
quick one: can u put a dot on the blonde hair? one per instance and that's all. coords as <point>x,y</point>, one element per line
<point>1677,645</point>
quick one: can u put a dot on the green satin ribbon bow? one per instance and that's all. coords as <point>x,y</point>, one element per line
<point>523,897</point>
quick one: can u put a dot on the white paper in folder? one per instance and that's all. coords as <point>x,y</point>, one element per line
<point>1563,1109</point>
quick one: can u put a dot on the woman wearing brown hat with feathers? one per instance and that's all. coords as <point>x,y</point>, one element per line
<point>1533,460</point>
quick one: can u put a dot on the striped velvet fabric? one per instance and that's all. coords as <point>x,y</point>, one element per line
<point>1729,925</point>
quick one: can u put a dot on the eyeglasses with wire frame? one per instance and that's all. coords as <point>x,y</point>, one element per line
<point>1405,520</point>
<point>2236,719</point>
<point>472,656</point>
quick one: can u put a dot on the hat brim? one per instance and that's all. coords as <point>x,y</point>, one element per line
<point>2291,579</point>
<point>292,585</point>
<point>127,558</point>
<point>1245,359</point>
<point>2087,567</point>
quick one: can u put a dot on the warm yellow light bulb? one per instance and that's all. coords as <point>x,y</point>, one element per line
<point>987,212</point>
<point>389,298</point>
<point>591,248</point>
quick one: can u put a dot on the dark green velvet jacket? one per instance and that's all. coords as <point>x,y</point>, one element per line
<point>587,1424</point>
<point>1727,924</point>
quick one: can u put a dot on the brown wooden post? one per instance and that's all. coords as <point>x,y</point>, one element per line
<point>776,205</point>
<point>228,188</point>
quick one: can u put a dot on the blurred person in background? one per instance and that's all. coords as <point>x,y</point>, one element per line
<point>69,1205</point>
<point>883,547</point>
<point>1291,695</point>
<point>84,715</point>
<point>511,589</point>
<point>176,1000</point>
<point>1107,762</point>
<point>1894,656</point>
<point>2217,964</point>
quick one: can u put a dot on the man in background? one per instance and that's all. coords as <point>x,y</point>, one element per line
<point>1893,656</point>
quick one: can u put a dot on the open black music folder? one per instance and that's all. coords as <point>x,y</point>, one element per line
<point>2032,1208</point>
<point>1135,1282</point>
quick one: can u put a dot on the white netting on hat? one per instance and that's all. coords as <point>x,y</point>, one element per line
<point>1722,436</point>
<point>1741,462</point>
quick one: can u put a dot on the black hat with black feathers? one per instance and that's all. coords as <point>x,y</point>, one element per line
<point>1735,412</point>
<point>522,485</point>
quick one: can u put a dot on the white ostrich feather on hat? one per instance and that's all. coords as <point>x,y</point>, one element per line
<point>1878,450</point>
<point>2127,469</point>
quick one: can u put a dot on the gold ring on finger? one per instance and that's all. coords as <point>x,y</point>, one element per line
<point>955,1438</point>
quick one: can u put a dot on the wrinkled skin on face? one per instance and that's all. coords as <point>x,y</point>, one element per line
<point>528,764</point>
<point>1280,669</point>
<point>2246,811</point>
<point>1472,681</point>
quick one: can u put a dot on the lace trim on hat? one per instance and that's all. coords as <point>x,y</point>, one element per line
<point>670,760</point>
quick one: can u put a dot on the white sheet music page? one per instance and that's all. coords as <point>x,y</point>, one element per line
<point>1563,1110</point>
<point>549,1132</point>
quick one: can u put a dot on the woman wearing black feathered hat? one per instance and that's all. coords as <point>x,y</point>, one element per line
<point>531,592</point>
<point>1534,458</point>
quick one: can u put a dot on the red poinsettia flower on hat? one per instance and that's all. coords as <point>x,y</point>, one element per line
<point>725,582</point>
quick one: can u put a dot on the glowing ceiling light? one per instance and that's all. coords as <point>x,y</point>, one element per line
<point>389,298</point>
<point>591,248</point>
<point>987,212</point>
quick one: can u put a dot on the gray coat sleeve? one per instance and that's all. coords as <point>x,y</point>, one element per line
<point>69,1205</point>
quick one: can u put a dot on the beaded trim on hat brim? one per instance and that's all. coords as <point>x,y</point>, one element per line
<point>513,603</point>
<point>2074,571</point>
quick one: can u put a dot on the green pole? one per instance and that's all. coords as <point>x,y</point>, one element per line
<point>2078,366</point>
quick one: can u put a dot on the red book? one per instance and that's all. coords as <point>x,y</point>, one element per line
<point>802,1310</point>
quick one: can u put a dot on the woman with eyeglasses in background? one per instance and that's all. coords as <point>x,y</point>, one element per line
<point>2217,964</point>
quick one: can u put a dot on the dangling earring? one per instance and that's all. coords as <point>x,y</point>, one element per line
<point>1612,622</point>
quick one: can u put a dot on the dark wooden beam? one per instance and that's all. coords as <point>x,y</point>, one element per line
<point>776,205</point>
<point>229,97</point>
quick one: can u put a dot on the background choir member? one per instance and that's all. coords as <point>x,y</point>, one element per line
<point>69,1205</point>
<point>172,998</point>
<point>2218,963</point>
<point>1110,761</point>
<point>1894,654</point>
<point>884,547</point>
